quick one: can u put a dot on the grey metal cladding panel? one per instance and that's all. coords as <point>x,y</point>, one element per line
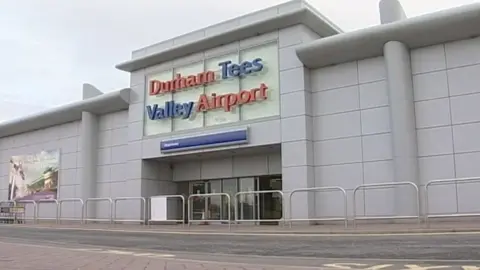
<point>106,103</point>
<point>439,27</point>
<point>206,43</point>
<point>301,16</point>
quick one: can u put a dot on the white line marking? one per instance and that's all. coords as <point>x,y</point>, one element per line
<point>348,260</point>
<point>347,266</point>
<point>418,267</point>
<point>164,257</point>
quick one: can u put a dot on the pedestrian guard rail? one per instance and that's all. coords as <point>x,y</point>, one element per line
<point>315,190</point>
<point>110,207</point>
<point>181,197</point>
<point>71,200</point>
<point>443,182</point>
<point>34,214</point>
<point>235,201</point>
<point>42,201</point>
<point>143,202</point>
<point>207,218</point>
<point>257,193</point>
<point>387,185</point>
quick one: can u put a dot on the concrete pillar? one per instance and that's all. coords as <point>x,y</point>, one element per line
<point>88,159</point>
<point>391,11</point>
<point>402,121</point>
<point>88,152</point>
<point>296,123</point>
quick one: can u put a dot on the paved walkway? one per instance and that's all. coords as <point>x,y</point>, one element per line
<point>31,257</point>
<point>30,248</point>
<point>433,227</point>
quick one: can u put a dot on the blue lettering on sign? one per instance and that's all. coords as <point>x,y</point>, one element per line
<point>170,110</point>
<point>238,70</point>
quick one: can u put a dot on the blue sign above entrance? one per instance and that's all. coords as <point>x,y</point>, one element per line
<point>205,141</point>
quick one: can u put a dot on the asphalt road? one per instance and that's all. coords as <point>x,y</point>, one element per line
<point>389,247</point>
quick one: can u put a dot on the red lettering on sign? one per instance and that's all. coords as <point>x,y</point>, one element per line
<point>180,83</point>
<point>228,101</point>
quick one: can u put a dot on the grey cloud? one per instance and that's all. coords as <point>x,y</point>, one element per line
<point>52,47</point>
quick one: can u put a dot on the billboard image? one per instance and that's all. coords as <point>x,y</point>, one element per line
<point>34,177</point>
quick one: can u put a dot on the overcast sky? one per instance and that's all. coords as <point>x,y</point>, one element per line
<point>49,48</point>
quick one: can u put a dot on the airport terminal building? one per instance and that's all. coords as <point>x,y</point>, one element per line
<point>279,99</point>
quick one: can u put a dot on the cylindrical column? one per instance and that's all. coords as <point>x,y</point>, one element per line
<point>402,121</point>
<point>88,158</point>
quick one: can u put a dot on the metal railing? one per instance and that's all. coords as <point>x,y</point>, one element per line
<point>166,198</point>
<point>34,203</point>
<point>8,202</point>
<point>441,182</point>
<point>319,189</point>
<point>144,207</point>
<point>229,215</point>
<point>384,186</point>
<point>238,220</point>
<point>110,206</point>
<point>41,201</point>
<point>61,201</point>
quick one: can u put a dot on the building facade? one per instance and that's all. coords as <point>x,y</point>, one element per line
<point>279,99</point>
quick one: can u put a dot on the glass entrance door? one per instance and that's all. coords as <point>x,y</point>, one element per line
<point>199,204</point>
<point>263,206</point>
<point>214,203</point>
<point>248,207</point>
<point>270,203</point>
<point>229,186</point>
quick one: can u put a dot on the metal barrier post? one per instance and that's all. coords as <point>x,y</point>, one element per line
<point>98,200</point>
<point>8,202</point>
<point>141,199</point>
<point>320,189</point>
<point>237,220</point>
<point>34,209</point>
<point>441,182</point>
<point>190,220</point>
<point>39,202</point>
<point>382,186</point>
<point>166,198</point>
<point>61,201</point>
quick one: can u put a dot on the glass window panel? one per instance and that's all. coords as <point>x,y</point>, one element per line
<point>188,95</point>
<point>268,76</point>
<point>247,203</point>
<point>152,127</point>
<point>215,202</point>
<point>229,186</point>
<point>198,203</point>
<point>220,87</point>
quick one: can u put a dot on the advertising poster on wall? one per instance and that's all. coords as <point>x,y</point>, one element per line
<point>34,177</point>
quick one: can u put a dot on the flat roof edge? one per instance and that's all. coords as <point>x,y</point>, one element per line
<point>425,30</point>
<point>102,104</point>
<point>241,32</point>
